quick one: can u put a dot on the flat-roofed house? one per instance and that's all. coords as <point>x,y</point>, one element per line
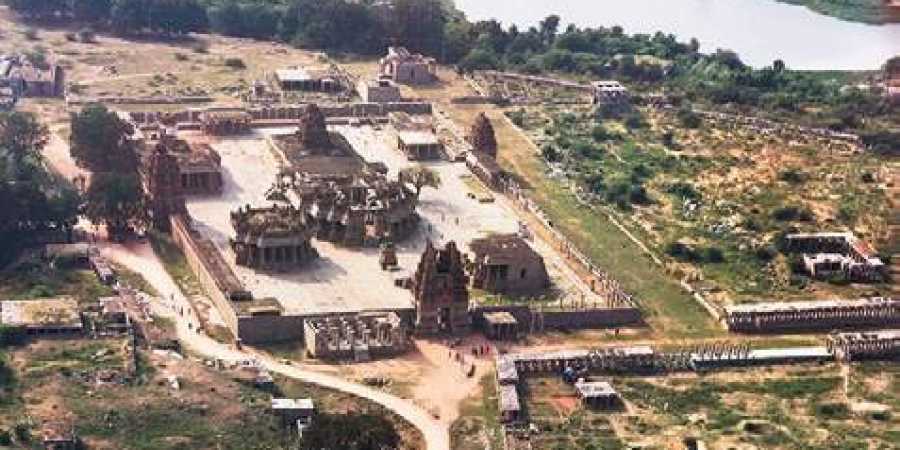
<point>47,316</point>
<point>598,394</point>
<point>317,79</point>
<point>294,412</point>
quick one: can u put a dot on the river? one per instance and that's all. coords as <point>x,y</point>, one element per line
<point>759,30</point>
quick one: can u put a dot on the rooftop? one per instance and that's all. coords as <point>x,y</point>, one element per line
<point>500,318</point>
<point>52,312</point>
<point>293,404</point>
<point>588,389</point>
<point>502,249</point>
<point>509,398</point>
<point>809,305</point>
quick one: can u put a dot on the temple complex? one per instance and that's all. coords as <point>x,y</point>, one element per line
<point>440,289</point>
<point>276,238</point>
<point>507,264</point>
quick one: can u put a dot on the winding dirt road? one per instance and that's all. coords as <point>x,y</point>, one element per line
<point>140,258</point>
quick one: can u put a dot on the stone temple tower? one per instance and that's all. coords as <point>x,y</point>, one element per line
<point>163,185</point>
<point>440,288</point>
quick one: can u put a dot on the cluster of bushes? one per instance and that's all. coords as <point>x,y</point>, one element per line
<point>687,253</point>
<point>792,214</point>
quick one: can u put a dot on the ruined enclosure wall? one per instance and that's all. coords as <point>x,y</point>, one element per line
<point>288,112</point>
<point>264,329</point>
<point>592,318</point>
<point>184,239</point>
<point>571,320</point>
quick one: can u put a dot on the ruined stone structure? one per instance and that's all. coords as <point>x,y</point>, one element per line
<point>830,254</point>
<point>416,136</point>
<point>27,79</point>
<point>380,90</point>
<point>317,78</point>
<point>482,137</point>
<point>162,183</point>
<point>226,122</point>
<point>507,264</point>
<point>401,66</point>
<point>440,290</point>
<point>199,167</point>
<point>388,257</point>
<point>881,344</point>
<point>275,238</point>
<point>813,315</point>
<point>609,92</point>
<point>313,132</point>
<point>598,395</point>
<point>352,210</point>
<point>359,337</point>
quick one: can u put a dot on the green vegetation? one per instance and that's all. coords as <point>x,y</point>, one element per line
<point>34,280</point>
<point>33,201</point>
<point>477,426</point>
<point>175,263</point>
<point>868,11</point>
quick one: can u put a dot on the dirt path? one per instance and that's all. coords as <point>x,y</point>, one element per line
<point>141,259</point>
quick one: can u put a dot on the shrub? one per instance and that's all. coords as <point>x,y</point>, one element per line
<point>635,121</point>
<point>832,411</point>
<point>683,190</point>
<point>200,47</point>
<point>87,35</point>
<point>688,118</point>
<point>550,153</point>
<point>71,37</point>
<point>601,134</point>
<point>235,63</point>
<point>31,34</point>
<point>792,213</point>
<point>681,252</point>
<point>713,255</point>
<point>793,176</point>
<point>5,438</point>
<point>181,57</point>
<point>638,195</point>
<point>766,253</point>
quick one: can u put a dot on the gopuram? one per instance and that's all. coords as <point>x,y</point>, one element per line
<point>440,289</point>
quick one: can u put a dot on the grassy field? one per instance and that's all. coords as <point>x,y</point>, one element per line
<point>772,408</point>
<point>54,380</point>
<point>722,194</point>
<point>670,310</point>
<point>37,280</point>
<point>477,426</point>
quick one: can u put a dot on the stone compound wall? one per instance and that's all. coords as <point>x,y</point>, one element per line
<point>249,329</point>
<point>574,319</point>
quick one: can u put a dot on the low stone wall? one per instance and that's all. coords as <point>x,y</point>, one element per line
<point>592,318</point>
<point>570,320</point>
<point>264,329</point>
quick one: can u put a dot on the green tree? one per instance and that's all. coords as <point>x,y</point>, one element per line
<point>116,200</point>
<point>420,177</point>
<point>101,141</point>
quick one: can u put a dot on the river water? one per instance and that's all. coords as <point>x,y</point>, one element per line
<point>759,30</point>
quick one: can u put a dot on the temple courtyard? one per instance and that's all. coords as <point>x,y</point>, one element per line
<point>345,279</point>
